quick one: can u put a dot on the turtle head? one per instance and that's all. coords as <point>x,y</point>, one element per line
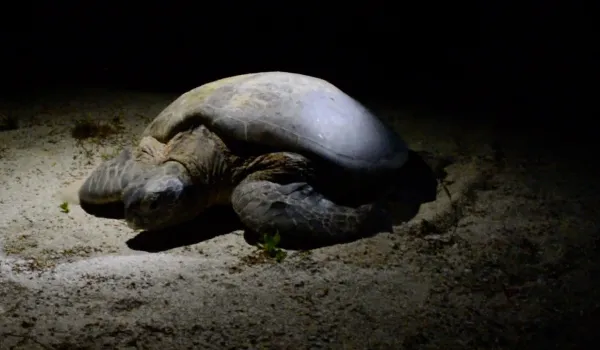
<point>165,197</point>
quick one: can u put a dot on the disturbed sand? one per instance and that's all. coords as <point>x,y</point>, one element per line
<point>509,261</point>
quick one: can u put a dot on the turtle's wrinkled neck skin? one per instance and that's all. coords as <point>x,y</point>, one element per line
<point>194,175</point>
<point>165,193</point>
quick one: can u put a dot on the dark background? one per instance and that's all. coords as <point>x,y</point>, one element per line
<point>510,61</point>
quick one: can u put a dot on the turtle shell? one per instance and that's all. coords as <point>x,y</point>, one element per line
<point>289,112</point>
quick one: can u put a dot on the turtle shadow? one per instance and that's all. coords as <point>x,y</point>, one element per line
<point>213,222</point>
<point>223,220</point>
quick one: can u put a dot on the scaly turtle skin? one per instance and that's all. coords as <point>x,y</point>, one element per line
<point>290,153</point>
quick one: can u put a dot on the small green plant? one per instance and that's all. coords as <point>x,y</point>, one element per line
<point>270,248</point>
<point>64,207</point>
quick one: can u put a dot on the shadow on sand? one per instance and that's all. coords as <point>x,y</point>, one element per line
<point>212,223</point>
<point>223,220</point>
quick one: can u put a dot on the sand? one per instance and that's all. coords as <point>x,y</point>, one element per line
<point>508,261</point>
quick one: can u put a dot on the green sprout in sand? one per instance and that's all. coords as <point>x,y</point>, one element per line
<point>64,207</point>
<point>270,248</point>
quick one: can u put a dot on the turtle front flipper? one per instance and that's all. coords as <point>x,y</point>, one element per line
<point>100,194</point>
<point>302,215</point>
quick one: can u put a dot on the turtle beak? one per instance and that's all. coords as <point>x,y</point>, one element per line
<point>134,221</point>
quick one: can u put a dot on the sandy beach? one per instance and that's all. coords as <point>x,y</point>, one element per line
<point>509,261</point>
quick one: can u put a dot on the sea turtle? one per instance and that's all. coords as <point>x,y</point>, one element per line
<point>289,153</point>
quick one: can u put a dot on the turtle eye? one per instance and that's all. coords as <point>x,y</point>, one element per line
<point>150,204</point>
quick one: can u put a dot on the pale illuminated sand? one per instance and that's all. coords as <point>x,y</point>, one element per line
<point>518,257</point>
